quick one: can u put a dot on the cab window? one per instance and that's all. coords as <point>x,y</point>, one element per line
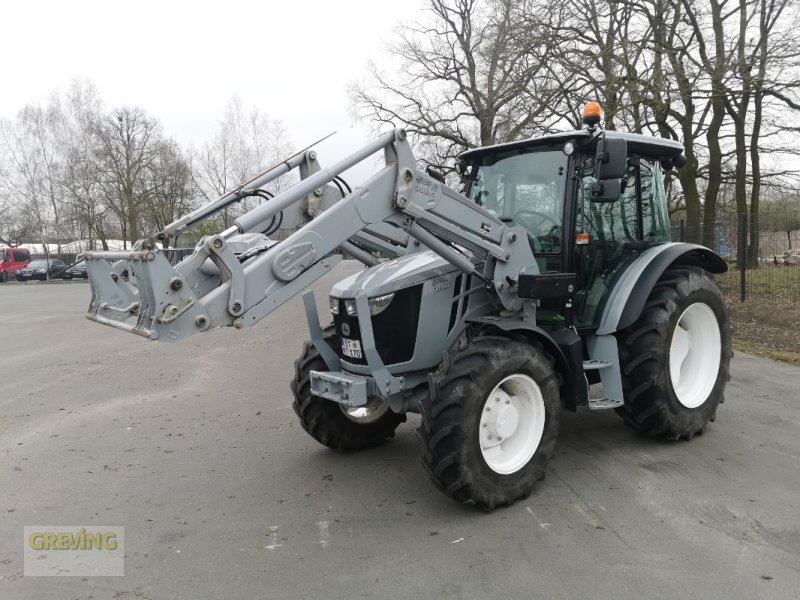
<point>527,187</point>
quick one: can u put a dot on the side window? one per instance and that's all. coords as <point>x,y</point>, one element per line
<point>611,222</point>
<point>655,215</point>
<point>617,221</point>
<point>21,255</point>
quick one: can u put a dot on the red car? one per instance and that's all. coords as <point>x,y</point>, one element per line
<point>12,260</point>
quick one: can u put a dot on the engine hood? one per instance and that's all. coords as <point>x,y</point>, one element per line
<point>393,275</point>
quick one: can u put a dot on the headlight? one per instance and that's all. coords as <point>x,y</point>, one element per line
<point>40,270</point>
<point>334,305</point>
<point>350,307</point>
<point>379,304</point>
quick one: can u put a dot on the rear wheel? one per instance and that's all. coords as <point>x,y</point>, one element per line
<point>490,423</point>
<point>676,358</point>
<point>3,277</point>
<point>333,424</point>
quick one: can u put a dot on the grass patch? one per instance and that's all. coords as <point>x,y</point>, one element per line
<point>777,283</point>
<point>793,358</point>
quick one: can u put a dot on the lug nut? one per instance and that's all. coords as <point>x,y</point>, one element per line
<point>201,321</point>
<point>176,284</point>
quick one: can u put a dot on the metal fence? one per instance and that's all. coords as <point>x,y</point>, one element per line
<point>769,270</point>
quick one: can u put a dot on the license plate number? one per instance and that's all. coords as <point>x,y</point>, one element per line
<point>351,348</point>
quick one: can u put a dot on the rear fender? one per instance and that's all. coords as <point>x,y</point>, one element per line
<point>627,300</point>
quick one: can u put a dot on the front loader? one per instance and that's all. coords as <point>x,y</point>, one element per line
<point>497,307</point>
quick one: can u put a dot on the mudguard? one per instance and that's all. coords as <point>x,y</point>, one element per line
<point>627,300</point>
<point>564,345</point>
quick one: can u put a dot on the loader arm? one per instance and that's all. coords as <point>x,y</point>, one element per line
<point>238,277</point>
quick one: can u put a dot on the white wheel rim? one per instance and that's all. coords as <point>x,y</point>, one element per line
<point>512,424</point>
<point>373,410</point>
<point>695,354</point>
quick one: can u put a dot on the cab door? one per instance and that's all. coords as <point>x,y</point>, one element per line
<point>611,235</point>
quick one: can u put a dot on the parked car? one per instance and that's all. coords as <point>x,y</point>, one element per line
<point>41,269</point>
<point>78,270</point>
<point>12,260</point>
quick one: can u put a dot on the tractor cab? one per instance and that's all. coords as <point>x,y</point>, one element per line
<point>591,201</point>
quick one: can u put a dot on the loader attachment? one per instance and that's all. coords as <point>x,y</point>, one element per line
<point>135,305</point>
<point>239,276</point>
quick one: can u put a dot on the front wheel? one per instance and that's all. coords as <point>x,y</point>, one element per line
<point>675,358</point>
<point>333,424</point>
<point>490,424</point>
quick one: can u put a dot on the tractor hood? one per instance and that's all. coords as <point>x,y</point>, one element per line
<point>393,275</point>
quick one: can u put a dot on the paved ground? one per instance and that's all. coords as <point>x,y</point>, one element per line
<point>195,450</point>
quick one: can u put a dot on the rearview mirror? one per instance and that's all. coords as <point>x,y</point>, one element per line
<point>606,191</point>
<point>612,158</point>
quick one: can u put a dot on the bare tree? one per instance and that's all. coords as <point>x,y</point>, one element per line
<point>79,115</point>
<point>127,140</point>
<point>474,73</point>
<point>245,143</point>
<point>170,191</point>
<point>25,170</point>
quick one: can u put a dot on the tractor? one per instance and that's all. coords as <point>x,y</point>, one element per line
<point>488,310</point>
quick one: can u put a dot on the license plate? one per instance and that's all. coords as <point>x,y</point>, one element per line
<point>351,348</point>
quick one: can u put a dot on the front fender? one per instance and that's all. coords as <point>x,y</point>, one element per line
<point>566,348</point>
<point>631,291</point>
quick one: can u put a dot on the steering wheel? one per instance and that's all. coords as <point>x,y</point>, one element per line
<point>543,219</point>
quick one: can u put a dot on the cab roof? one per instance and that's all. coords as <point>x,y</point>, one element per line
<point>645,145</point>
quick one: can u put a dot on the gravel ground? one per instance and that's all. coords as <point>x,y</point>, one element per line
<point>195,450</point>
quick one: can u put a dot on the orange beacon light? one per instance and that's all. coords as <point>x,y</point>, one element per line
<point>591,113</point>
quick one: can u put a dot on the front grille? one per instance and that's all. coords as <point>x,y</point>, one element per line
<point>347,327</point>
<point>395,329</point>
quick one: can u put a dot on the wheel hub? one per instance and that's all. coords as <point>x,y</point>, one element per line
<point>695,354</point>
<point>512,424</point>
<point>373,410</point>
<point>502,420</point>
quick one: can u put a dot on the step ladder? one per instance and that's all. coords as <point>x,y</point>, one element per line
<point>601,403</point>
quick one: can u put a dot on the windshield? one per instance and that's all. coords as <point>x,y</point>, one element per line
<point>40,264</point>
<point>528,188</point>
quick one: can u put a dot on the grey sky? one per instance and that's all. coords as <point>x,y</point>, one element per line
<point>182,61</point>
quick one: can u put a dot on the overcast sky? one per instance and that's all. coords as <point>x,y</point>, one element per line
<point>182,61</point>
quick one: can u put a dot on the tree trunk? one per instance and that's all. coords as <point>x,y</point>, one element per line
<point>712,134</point>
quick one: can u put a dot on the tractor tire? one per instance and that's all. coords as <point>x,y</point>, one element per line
<point>332,424</point>
<point>675,359</point>
<point>490,422</point>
